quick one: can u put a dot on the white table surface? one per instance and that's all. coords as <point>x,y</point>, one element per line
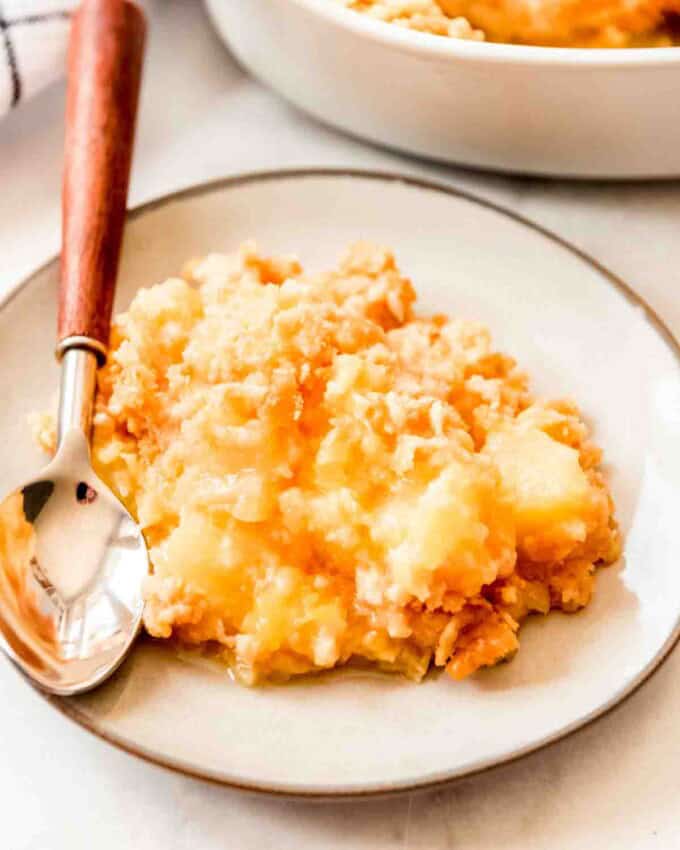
<point>614,785</point>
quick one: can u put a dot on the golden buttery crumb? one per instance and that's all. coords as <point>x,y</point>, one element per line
<point>560,23</point>
<point>322,475</point>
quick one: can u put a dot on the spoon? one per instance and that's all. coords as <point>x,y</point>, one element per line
<point>72,559</point>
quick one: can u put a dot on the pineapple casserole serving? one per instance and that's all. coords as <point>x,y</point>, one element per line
<point>322,475</point>
<point>560,23</point>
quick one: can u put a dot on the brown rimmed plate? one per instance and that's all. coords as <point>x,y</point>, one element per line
<point>576,328</point>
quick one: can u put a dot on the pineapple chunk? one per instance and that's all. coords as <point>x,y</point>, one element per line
<point>458,528</point>
<point>550,493</point>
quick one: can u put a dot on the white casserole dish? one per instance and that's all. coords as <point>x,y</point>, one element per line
<point>565,112</point>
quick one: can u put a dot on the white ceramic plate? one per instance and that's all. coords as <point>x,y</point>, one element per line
<point>537,110</point>
<point>577,329</point>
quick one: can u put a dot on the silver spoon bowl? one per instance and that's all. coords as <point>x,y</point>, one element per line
<point>72,559</point>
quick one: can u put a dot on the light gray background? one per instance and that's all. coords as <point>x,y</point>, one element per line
<point>615,785</point>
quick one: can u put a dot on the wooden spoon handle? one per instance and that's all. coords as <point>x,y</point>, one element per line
<point>104,71</point>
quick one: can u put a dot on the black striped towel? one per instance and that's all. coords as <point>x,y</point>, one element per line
<point>33,38</point>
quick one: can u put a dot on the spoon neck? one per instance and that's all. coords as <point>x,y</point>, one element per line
<point>76,392</point>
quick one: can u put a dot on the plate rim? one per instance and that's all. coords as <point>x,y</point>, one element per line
<point>68,706</point>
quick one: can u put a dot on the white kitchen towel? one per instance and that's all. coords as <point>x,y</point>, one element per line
<point>33,40</point>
